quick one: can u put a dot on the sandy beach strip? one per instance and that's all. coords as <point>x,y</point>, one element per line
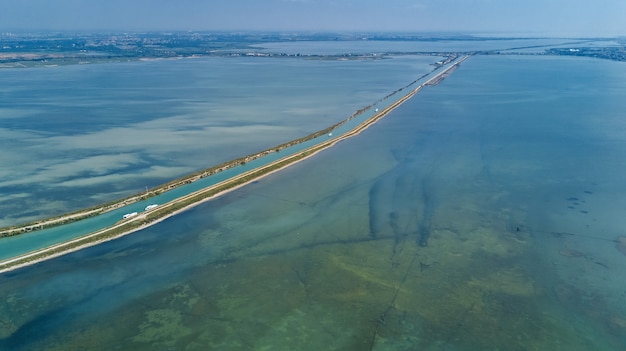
<point>142,221</point>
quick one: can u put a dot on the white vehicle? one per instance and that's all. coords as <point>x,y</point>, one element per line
<point>128,215</point>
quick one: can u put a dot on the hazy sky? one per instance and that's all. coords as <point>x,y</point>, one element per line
<point>553,17</point>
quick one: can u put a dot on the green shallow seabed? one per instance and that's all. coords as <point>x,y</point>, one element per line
<point>472,288</point>
<point>330,254</point>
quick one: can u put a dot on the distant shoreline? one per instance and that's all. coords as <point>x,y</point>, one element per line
<point>188,201</point>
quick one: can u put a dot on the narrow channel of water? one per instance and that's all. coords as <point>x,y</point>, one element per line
<point>479,215</point>
<point>25,243</point>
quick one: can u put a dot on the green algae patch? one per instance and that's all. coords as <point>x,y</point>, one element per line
<point>162,328</point>
<point>356,296</point>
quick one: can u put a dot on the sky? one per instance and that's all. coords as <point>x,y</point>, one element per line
<point>538,17</point>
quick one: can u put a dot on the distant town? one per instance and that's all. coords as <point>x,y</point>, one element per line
<point>52,49</point>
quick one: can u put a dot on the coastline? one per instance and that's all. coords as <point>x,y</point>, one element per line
<point>172,208</point>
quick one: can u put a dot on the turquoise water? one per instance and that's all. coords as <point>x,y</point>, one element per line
<point>21,244</point>
<point>77,136</point>
<point>480,215</point>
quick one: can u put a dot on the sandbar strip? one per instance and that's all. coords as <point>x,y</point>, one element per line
<point>186,202</point>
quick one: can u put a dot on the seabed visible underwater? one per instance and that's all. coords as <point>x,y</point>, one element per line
<point>459,222</point>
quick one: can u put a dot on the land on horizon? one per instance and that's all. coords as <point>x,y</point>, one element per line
<point>62,48</point>
<point>463,220</point>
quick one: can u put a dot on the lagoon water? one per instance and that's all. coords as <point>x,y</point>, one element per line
<point>78,136</point>
<point>480,215</point>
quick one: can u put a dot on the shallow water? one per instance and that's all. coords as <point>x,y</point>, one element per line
<point>477,216</point>
<point>77,136</point>
<point>45,238</point>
